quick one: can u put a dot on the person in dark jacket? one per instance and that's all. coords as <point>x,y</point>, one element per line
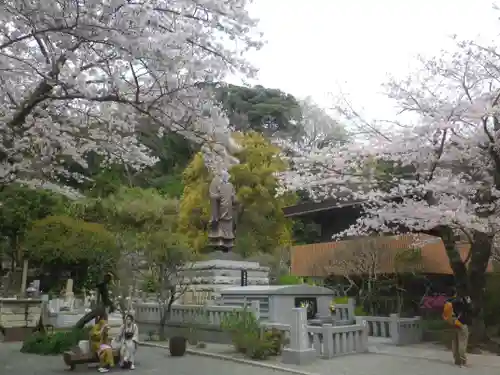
<point>458,312</point>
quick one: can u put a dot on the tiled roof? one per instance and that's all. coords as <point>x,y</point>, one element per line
<point>386,254</point>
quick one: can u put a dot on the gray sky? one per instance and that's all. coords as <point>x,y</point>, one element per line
<point>318,47</point>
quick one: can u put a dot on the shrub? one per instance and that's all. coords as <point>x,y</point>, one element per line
<point>277,340</point>
<point>435,324</point>
<point>257,347</point>
<point>248,338</point>
<point>290,280</point>
<point>53,344</point>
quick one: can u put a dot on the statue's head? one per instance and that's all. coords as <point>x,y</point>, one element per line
<point>225,176</point>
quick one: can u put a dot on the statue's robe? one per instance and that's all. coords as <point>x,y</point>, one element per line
<point>221,229</point>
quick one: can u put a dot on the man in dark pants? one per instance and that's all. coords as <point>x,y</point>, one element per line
<point>458,312</point>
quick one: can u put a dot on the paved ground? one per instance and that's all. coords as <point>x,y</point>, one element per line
<point>383,359</point>
<point>408,361</point>
<point>151,361</point>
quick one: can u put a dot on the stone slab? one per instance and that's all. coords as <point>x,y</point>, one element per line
<point>225,264</point>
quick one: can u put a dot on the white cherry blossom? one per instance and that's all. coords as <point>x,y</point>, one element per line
<point>447,157</point>
<point>79,76</point>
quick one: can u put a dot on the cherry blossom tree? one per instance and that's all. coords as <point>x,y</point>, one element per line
<point>79,76</point>
<point>317,127</point>
<point>436,170</point>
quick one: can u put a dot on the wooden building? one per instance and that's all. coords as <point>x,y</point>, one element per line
<point>336,262</point>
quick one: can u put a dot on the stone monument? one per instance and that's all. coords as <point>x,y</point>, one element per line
<point>69,296</point>
<point>224,269</point>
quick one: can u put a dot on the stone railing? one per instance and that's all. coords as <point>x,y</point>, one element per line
<point>409,331</point>
<point>344,313</point>
<point>149,312</point>
<point>401,331</point>
<point>328,341</point>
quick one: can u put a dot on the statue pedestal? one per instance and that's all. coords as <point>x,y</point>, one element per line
<point>208,278</point>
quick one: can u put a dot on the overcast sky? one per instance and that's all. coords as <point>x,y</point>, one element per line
<point>316,47</point>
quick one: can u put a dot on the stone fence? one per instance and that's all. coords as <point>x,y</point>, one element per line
<point>306,342</point>
<point>401,331</point>
<point>344,312</point>
<point>149,312</point>
<point>348,333</point>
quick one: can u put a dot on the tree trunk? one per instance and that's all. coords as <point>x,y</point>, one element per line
<point>471,280</point>
<point>480,256</point>
<point>165,317</point>
<point>163,321</point>
<point>98,311</point>
<point>456,263</point>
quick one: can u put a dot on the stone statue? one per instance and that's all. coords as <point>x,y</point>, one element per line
<point>222,202</point>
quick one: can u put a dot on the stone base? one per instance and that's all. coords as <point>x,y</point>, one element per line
<point>298,357</point>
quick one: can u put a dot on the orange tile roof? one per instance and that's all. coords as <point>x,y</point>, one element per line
<point>384,254</point>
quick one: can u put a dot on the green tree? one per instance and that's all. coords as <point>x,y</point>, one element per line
<point>130,210</point>
<point>144,224</point>
<point>194,210</point>
<point>167,253</point>
<point>20,206</point>
<point>261,109</point>
<point>172,151</point>
<point>59,244</point>
<point>261,225</point>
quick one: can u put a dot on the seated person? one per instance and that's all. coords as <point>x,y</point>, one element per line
<point>128,338</point>
<point>100,344</point>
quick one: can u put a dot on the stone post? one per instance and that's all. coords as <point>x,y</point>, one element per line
<point>394,328</point>
<point>351,307</point>
<point>24,279</point>
<point>69,296</point>
<point>364,336</point>
<point>328,344</point>
<point>300,351</point>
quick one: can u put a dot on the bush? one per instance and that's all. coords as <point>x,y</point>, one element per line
<point>277,340</point>
<point>53,344</point>
<point>249,339</point>
<point>435,325</point>
<point>290,280</point>
<point>257,347</point>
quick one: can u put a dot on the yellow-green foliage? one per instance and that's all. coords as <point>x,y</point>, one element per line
<point>62,239</point>
<point>194,208</point>
<point>261,225</point>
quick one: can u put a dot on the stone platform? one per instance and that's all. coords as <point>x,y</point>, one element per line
<point>208,278</point>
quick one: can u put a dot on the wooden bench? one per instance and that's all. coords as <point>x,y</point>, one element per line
<point>75,357</point>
